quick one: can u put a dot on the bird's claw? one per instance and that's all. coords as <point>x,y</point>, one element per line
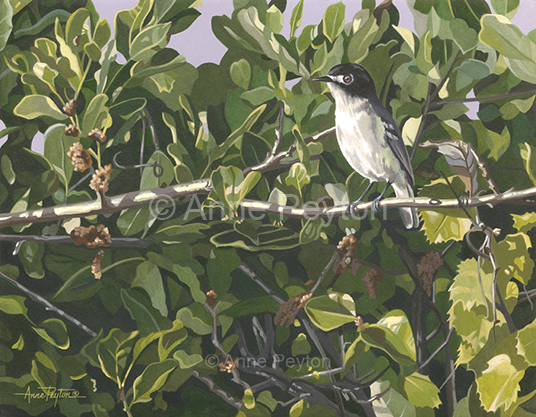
<point>351,207</point>
<point>375,206</point>
<point>463,201</point>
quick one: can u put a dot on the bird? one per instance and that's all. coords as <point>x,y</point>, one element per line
<point>369,138</point>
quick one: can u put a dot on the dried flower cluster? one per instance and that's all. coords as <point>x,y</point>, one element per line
<point>80,158</point>
<point>347,257</point>
<point>427,267</point>
<point>70,108</point>
<point>371,279</point>
<point>211,298</point>
<point>289,309</point>
<point>91,236</point>
<point>96,264</point>
<point>101,178</point>
<point>97,135</point>
<point>359,323</point>
<point>72,130</point>
<point>228,364</point>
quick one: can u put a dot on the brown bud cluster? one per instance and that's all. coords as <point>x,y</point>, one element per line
<point>72,130</point>
<point>289,309</point>
<point>347,257</point>
<point>371,279</point>
<point>211,298</point>
<point>96,264</point>
<point>91,236</point>
<point>228,364</point>
<point>80,158</point>
<point>70,108</point>
<point>427,267</point>
<point>359,323</point>
<point>97,135</point>
<point>101,178</point>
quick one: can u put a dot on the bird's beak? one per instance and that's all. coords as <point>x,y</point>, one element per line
<point>326,79</point>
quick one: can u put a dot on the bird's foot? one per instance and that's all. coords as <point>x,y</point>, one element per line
<point>352,206</point>
<point>375,206</point>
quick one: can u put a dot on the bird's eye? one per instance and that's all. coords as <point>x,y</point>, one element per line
<point>347,79</point>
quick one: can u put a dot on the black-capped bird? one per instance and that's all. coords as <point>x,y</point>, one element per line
<point>369,137</point>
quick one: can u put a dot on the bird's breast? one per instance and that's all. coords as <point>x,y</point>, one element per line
<point>361,138</point>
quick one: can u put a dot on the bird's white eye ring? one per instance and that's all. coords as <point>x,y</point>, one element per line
<point>347,79</point>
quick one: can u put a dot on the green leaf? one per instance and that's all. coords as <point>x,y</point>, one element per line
<point>267,237</point>
<point>13,304</point>
<point>393,335</point>
<point>274,19</point>
<point>300,345</point>
<point>327,314</point>
<point>252,305</point>
<point>35,105</point>
<point>296,18</point>
<point>231,187</point>
<point>111,352</point>
<point>241,73</point>
<point>519,51</point>
<point>151,380</point>
<point>511,109</point>
<point>54,331</point>
<point>96,114</point>
<point>444,225</point>
<point>128,108</point>
<point>474,69</point>
<point>149,278</point>
<point>57,145</point>
<point>187,361</point>
<point>149,179</point>
<point>144,319</point>
<point>6,14</point>
<point>171,338</point>
<point>157,66</point>
<point>466,288</point>
<point>420,391</point>
<point>362,39</point>
<point>465,37</point>
<point>102,33</point>
<point>499,384</point>
<point>248,399</point>
<point>147,42</point>
<point>7,169</point>
<point>526,343</point>
<point>220,280</point>
<point>530,162</point>
<point>524,222</point>
<point>392,403</point>
<point>498,143</point>
<point>333,20</point>
<point>514,260</point>
<point>258,95</point>
<point>93,51</point>
<point>195,317</point>
<point>31,254</point>
<point>132,221</point>
<point>507,8</point>
<point>188,277</point>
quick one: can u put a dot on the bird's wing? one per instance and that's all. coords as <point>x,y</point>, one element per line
<point>394,138</point>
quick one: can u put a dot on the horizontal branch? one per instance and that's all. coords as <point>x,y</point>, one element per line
<point>120,242</point>
<point>423,203</point>
<point>112,204</point>
<point>204,186</point>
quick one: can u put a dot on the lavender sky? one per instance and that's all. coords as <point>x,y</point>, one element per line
<point>199,45</point>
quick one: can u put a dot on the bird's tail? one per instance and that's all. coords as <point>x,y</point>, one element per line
<point>409,215</point>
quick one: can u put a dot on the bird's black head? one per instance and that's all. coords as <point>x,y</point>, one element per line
<point>353,79</point>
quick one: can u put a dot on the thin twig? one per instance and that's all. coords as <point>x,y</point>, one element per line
<point>437,352</point>
<point>229,399</point>
<point>119,242</point>
<point>48,305</point>
<point>324,272</point>
<point>243,267</point>
<point>153,130</point>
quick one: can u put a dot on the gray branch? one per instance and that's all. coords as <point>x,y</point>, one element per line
<point>48,306</point>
